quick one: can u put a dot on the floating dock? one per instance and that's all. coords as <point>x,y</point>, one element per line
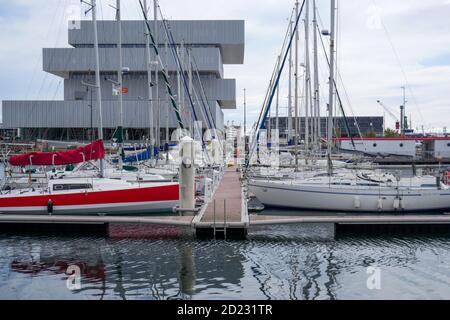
<point>226,213</point>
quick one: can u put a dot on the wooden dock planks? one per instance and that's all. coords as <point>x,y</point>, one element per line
<point>227,199</point>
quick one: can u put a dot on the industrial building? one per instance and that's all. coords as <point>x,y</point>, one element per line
<point>415,147</point>
<point>360,125</point>
<point>211,45</point>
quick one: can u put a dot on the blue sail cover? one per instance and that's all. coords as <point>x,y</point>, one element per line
<point>142,156</point>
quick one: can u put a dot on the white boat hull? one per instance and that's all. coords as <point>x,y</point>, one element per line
<point>348,199</point>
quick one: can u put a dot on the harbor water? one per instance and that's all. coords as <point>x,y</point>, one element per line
<point>281,262</point>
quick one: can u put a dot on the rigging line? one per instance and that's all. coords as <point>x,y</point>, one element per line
<point>194,91</point>
<point>340,79</point>
<point>203,94</point>
<point>56,78</point>
<point>267,95</point>
<point>337,46</point>
<point>39,56</point>
<point>172,97</point>
<point>273,74</point>
<point>169,37</point>
<point>279,72</point>
<point>339,99</point>
<point>181,70</point>
<point>397,57</point>
<point>57,88</point>
<point>44,80</point>
<point>163,69</point>
<point>201,109</point>
<point>275,66</point>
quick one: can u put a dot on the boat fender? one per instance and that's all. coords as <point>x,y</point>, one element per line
<point>396,203</point>
<point>438,182</point>
<point>357,202</point>
<point>380,204</point>
<point>402,203</point>
<point>50,206</point>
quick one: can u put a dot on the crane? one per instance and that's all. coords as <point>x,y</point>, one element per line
<point>397,121</point>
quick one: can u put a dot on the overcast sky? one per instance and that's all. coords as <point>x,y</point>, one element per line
<point>382,45</point>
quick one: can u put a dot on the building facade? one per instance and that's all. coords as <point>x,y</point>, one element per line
<point>357,126</point>
<point>210,44</point>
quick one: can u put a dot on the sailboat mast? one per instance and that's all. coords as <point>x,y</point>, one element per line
<point>245,124</point>
<point>296,124</point>
<point>149,78</point>
<point>289,123</point>
<point>182,92</point>
<point>277,107</point>
<point>307,77</point>
<point>331,84</point>
<point>316,77</point>
<point>191,91</point>
<point>190,85</point>
<point>120,82</point>
<point>402,113</point>
<point>97,78</point>
<point>158,104</point>
<point>167,108</point>
<point>179,87</point>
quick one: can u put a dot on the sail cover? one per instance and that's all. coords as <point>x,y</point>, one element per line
<point>92,151</point>
<point>142,156</point>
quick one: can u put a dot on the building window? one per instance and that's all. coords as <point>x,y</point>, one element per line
<point>401,145</point>
<point>448,144</point>
<point>80,95</point>
<point>374,145</point>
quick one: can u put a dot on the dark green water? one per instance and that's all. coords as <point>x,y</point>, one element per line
<point>274,263</point>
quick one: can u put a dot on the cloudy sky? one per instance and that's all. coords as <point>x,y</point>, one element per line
<point>382,46</point>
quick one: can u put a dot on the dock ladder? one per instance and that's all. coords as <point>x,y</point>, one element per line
<point>222,229</point>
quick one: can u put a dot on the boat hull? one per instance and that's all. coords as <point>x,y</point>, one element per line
<point>125,201</point>
<point>297,196</point>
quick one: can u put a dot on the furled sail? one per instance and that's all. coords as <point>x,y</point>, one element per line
<point>92,151</point>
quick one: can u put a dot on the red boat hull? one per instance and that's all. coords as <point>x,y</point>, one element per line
<point>133,200</point>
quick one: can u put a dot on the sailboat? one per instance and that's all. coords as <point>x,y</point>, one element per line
<point>354,193</point>
<point>87,195</point>
<point>351,190</point>
<point>97,194</point>
<point>91,196</point>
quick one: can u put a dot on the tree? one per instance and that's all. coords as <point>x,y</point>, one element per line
<point>371,133</point>
<point>390,133</point>
<point>337,132</point>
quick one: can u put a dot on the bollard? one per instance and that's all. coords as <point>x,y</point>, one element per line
<point>187,174</point>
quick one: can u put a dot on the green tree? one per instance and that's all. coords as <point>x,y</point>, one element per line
<point>337,132</point>
<point>371,133</point>
<point>390,133</point>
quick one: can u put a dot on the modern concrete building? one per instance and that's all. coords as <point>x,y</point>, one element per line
<point>211,43</point>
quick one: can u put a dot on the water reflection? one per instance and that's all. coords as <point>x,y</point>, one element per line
<point>270,267</point>
<point>187,271</point>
